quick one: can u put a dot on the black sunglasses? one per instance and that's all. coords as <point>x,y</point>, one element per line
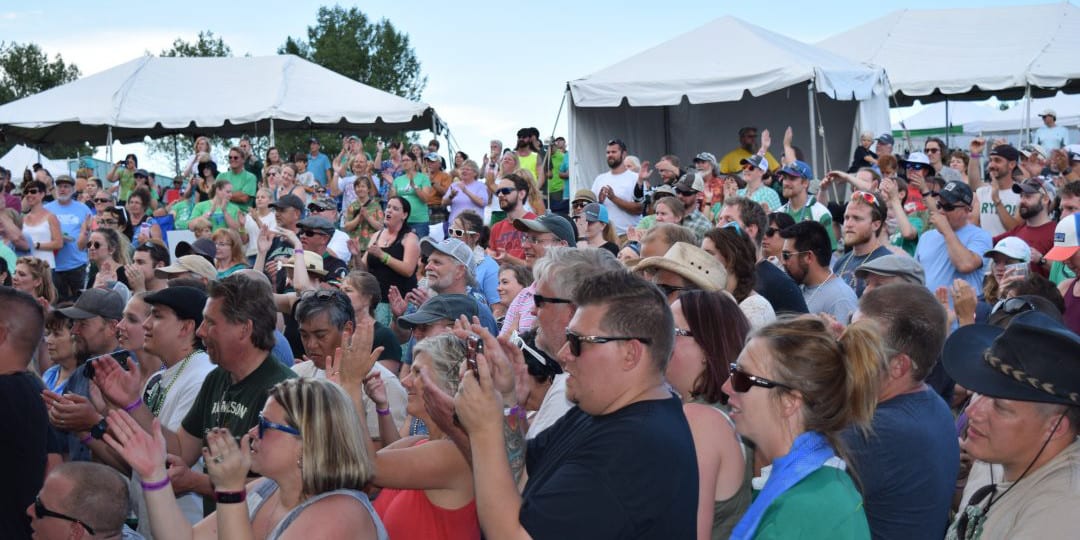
<point>947,207</point>
<point>1014,306</point>
<point>31,192</point>
<point>41,512</point>
<point>771,231</point>
<point>504,191</point>
<point>685,193</point>
<point>742,381</point>
<point>312,232</point>
<point>96,245</point>
<point>103,200</point>
<point>669,290</point>
<point>575,340</point>
<point>540,300</point>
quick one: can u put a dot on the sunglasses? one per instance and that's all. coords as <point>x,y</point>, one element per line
<point>670,289</point>
<point>41,512</point>
<point>789,254</point>
<point>460,233</point>
<point>234,157</point>
<point>540,300</point>
<point>96,245</point>
<point>575,340</point>
<point>32,192</point>
<point>683,332</point>
<point>685,193</point>
<point>580,204</point>
<point>1015,306</point>
<point>947,207</point>
<point>312,232</point>
<point>771,231</point>
<point>504,191</point>
<point>265,424</point>
<point>520,343</point>
<point>103,200</point>
<point>931,150</point>
<point>867,197</point>
<point>916,166</point>
<point>742,381</point>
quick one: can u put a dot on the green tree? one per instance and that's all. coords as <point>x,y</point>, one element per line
<point>26,70</point>
<point>206,45</point>
<point>346,41</point>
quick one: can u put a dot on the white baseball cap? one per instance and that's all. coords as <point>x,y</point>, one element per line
<point>1013,248</point>
<point>1065,239</point>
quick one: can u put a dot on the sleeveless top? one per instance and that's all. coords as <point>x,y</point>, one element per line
<point>1071,316</point>
<point>263,490</point>
<point>386,275</point>
<point>728,512</point>
<point>40,233</point>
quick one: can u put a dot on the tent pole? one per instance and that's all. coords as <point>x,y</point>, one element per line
<point>813,130</point>
<point>948,126</point>
<point>1026,137</point>
<point>272,131</point>
<point>108,142</point>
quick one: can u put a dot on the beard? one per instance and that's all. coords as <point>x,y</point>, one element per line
<point>1028,212</point>
<point>855,238</point>
<point>506,205</point>
<point>614,162</point>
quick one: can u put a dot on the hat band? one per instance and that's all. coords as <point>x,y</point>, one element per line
<point>1023,377</point>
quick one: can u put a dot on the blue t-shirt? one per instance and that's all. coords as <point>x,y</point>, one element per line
<point>71,217</point>
<point>487,279</point>
<point>282,352</point>
<point>933,255</point>
<point>317,165</point>
<point>907,466</point>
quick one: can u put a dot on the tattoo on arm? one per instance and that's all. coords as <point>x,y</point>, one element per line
<point>514,430</point>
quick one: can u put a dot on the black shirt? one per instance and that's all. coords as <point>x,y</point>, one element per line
<point>628,474</point>
<point>779,289</point>
<point>24,432</point>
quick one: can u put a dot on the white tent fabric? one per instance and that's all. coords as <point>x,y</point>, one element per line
<point>970,53</point>
<point>678,99</point>
<point>974,118</point>
<point>21,157</point>
<point>240,95</point>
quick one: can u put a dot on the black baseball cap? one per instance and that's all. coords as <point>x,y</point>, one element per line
<point>186,302</point>
<point>442,307</point>
<point>288,201</point>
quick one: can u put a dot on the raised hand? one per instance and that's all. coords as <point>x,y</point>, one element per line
<point>265,239</point>
<point>766,140</point>
<point>398,305</point>
<point>964,301</point>
<point>977,145</point>
<point>376,390</point>
<point>417,297</point>
<point>942,294</point>
<point>478,405</point>
<point>144,452</point>
<point>788,135</point>
<point>226,462</point>
<point>120,386</point>
<point>353,361</point>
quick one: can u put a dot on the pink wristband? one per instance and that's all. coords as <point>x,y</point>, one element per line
<point>134,405</point>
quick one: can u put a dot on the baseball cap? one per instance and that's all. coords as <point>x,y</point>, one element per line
<point>1048,112</point>
<point>893,265</point>
<point>663,188</point>
<point>552,223</point>
<point>1013,248</point>
<point>142,172</point>
<point>202,246</point>
<point>757,161</point>
<point>916,158</point>
<point>691,181</point>
<point>691,263</point>
<point>441,307</point>
<point>312,261</point>
<point>317,223</point>
<point>431,156</point>
<point>322,203</point>
<point>1028,149</point>
<point>195,264</point>
<point>458,250</point>
<point>798,169</point>
<point>886,138</point>
<point>104,303</point>
<point>1065,239</point>
<point>313,140</point>
<point>64,179</point>
<point>584,195</point>
<point>595,212</point>
<point>288,201</point>
<point>986,359</point>
<point>705,157</point>
<point>1034,184</point>
<point>956,193</point>
<point>1006,151</point>
<point>186,302</point>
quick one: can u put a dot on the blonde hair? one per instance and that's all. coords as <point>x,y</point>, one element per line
<point>236,251</point>
<point>447,352</point>
<point>198,223</point>
<point>41,271</point>
<point>334,455</point>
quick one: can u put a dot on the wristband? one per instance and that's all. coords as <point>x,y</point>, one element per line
<point>382,412</point>
<point>230,497</point>
<point>386,258</point>
<point>974,155</point>
<point>86,440</point>
<point>518,411</point>
<point>154,486</point>
<point>134,405</point>
<point>298,251</point>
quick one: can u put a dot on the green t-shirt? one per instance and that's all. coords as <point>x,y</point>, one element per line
<point>555,184</point>
<point>1059,272</point>
<point>244,182</point>
<point>824,505</point>
<point>909,246</point>
<point>181,212</point>
<point>419,207</point>
<point>126,178</point>
<point>217,220</point>
<point>9,256</point>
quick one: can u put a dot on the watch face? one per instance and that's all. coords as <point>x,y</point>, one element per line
<point>99,429</point>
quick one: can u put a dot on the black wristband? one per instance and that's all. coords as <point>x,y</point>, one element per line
<point>230,497</point>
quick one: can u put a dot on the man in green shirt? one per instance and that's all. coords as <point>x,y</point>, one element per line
<point>244,183</point>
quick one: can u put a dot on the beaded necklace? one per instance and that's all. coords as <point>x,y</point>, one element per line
<point>159,397</point>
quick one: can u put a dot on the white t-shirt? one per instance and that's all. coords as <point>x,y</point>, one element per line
<point>552,408</point>
<point>348,195</point>
<point>623,186</point>
<point>339,246</point>
<point>395,393</point>
<point>988,217</point>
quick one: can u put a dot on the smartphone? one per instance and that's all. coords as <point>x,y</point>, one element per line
<point>1018,269</point>
<point>120,356</point>
<point>473,347</point>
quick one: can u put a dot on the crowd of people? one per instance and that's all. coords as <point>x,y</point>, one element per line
<point>402,344</point>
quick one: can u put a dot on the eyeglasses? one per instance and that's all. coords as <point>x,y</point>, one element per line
<point>683,332</point>
<point>771,231</point>
<point>669,289</point>
<point>685,193</point>
<point>741,381</point>
<point>312,232</point>
<point>1014,306</point>
<point>32,192</point>
<point>504,191</point>
<point>460,233</point>
<point>789,254</point>
<point>265,424</point>
<point>96,245</point>
<point>541,300</point>
<point>108,222</point>
<point>575,340</point>
<point>234,157</point>
<point>867,197</point>
<point>529,239</point>
<point>41,513</point>
<point>316,209</point>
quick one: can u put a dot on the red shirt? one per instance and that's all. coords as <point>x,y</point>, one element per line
<point>506,238</point>
<point>1040,238</point>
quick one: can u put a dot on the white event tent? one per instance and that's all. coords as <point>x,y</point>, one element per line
<point>152,96</point>
<point>22,157</point>
<point>694,92</point>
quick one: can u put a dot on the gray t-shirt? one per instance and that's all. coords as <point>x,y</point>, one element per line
<point>833,296</point>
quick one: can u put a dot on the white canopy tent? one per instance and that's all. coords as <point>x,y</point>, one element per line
<point>152,96</point>
<point>970,53</point>
<point>687,95</point>
<point>22,157</point>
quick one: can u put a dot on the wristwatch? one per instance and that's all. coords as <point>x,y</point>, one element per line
<point>99,429</point>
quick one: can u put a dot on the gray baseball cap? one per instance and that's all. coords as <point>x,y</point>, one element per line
<point>551,223</point>
<point>458,250</point>
<point>442,307</point>
<point>901,266</point>
<point>104,303</point>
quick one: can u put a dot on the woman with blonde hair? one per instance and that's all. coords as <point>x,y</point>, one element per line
<point>287,184</point>
<point>794,388</point>
<point>229,252</point>
<point>596,229</point>
<point>309,449</point>
<point>41,225</point>
<point>33,276</point>
<point>108,255</point>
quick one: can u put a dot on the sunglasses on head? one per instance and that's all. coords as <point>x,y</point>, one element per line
<point>575,340</point>
<point>460,233</point>
<point>41,512</point>
<point>541,300</point>
<point>866,196</point>
<point>742,381</point>
<point>265,424</point>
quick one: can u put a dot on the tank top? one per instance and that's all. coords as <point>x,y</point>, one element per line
<point>1072,308</point>
<point>40,233</point>
<point>728,512</point>
<point>988,217</point>
<point>386,275</point>
<point>263,490</point>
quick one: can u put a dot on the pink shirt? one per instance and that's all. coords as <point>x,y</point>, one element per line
<point>521,312</point>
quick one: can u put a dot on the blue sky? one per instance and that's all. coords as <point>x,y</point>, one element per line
<point>491,67</point>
